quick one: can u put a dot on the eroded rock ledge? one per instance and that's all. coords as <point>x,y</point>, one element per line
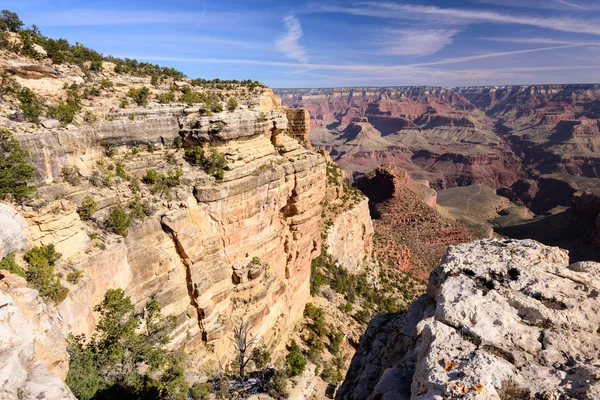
<point>501,318</point>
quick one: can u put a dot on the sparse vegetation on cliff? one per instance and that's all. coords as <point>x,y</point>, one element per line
<point>9,263</point>
<point>16,174</point>
<point>40,273</point>
<point>127,357</point>
<point>214,163</point>
<point>140,96</point>
<point>87,208</point>
<point>118,221</point>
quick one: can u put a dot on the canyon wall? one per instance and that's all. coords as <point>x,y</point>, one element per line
<point>213,253</point>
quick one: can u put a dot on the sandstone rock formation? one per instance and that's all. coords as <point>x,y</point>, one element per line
<point>501,319</point>
<point>33,355</point>
<point>212,253</point>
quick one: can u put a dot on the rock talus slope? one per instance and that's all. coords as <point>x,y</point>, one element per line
<point>501,318</point>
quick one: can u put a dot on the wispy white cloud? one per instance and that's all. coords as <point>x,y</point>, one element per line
<point>568,3</point>
<point>465,16</point>
<point>540,40</point>
<point>495,55</point>
<point>289,43</point>
<point>414,42</point>
<point>540,5</point>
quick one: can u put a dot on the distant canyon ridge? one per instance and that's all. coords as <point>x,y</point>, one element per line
<point>537,146</point>
<point>510,137</point>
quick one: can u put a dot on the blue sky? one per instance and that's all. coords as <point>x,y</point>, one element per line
<point>332,43</point>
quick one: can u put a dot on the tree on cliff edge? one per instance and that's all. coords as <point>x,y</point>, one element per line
<point>243,341</point>
<point>16,173</point>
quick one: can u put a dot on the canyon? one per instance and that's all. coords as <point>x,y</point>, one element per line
<point>458,136</point>
<point>314,217</point>
<point>535,146</point>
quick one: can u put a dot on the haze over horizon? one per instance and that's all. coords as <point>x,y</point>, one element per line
<point>332,44</point>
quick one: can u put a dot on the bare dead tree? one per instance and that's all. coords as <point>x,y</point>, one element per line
<point>243,341</point>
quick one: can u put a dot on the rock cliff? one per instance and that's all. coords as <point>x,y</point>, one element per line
<point>501,319</point>
<point>212,252</point>
<point>33,355</point>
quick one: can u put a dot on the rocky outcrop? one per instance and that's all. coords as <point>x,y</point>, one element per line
<point>33,356</point>
<point>13,236</point>
<point>299,124</point>
<point>501,319</point>
<point>350,237</point>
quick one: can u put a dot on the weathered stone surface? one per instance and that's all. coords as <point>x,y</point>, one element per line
<point>13,235</point>
<point>51,123</point>
<point>57,223</point>
<point>350,237</point>
<point>33,356</point>
<point>499,315</point>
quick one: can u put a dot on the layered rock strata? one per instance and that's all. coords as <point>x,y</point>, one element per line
<point>501,318</point>
<point>212,253</point>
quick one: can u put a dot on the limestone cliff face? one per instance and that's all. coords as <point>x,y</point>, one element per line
<point>501,319</point>
<point>214,252</point>
<point>33,355</point>
<point>350,237</point>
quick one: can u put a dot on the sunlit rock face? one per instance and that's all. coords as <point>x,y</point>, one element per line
<point>501,317</point>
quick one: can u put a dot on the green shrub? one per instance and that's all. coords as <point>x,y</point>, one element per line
<point>165,182</point>
<point>29,105</point>
<point>64,112</point>
<point>166,98</point>
<point>9,263</point>
<point>294,360</point>
<point>120,170</point>
<point>215,164</point>
<point>151,177</point>
<point>124,103</point>
<point>10,21</point>
<point>74,276</point>
<point>106,84</point>
<point>16,174</point>
<point>71,175</point>
<point>232,104</point>
<point>194,155</point>
<point>201,391</point>
<point>87,208</point>
<point>178,143</point>
<point>118,222</point>
<point>277,386</point>
<point>216,107</point>
<point>121,361</point>
<point>317,315</point>
<point>261,117</point>
<point>140,96</point>
<point>261,357</point>
<point>40,273</point>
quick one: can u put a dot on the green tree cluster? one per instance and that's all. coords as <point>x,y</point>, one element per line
<point>40,273</point>
<point>214,163</point>
<point>127,356</point>
<point>140,96</point>
<point>16,174</point>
